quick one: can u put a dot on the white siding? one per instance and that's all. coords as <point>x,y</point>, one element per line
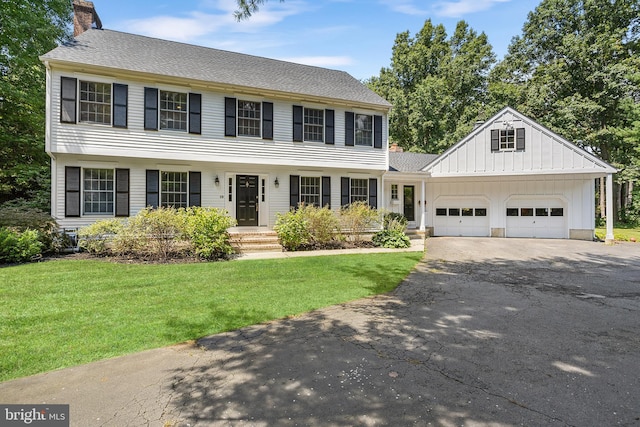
<point>211,145</point>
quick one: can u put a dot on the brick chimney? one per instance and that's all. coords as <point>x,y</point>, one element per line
<point>84,15</point>
<point>394,148</point>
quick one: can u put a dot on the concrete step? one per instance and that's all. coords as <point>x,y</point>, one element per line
<point>255,241</point>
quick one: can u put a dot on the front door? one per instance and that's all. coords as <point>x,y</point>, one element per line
<point>409,203</point>
<point>247,200</point>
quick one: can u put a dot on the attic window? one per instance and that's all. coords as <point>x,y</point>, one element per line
<point>507,139</point>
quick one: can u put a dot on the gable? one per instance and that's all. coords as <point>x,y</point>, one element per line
<point>512,144</point>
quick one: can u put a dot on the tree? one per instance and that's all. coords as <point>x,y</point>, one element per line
<point>246,8</point>
<point>576,69</point>
<point>28,28</point>
<point>437,85</point>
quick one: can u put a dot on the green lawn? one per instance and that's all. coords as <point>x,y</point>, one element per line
<point>620,232</point>
<point>67,312</point>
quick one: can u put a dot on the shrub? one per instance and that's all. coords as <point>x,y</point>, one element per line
<point>21,217</point>
<point>391,239</point>
<point>357,218</point>
<point>152,233</point>
<point>322,224</point>
<point>394,221</point>
<point>97,238</point>
<point>206,229</point>
<point>292,229</point>
<point>19,246</point>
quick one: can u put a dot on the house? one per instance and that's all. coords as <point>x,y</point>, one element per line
<point>510,177</point>
<point>134,121</point>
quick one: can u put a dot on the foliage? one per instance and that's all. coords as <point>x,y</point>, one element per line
<point>19,246</point>
<point>95,310</point>
<point>395,221</point>
<point>206,229</point>
<point>22,216</point>
<point>437,86</point>
<point>246,8</point>
<point>97,238</point>
<point>357,218</point>
<point>293,229</point>
<point>391,239</point>
<point>621,232</point>
<point>322,223</point>
<point>29,28</point>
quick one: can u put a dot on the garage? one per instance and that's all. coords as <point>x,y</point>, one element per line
<point>538,218</point>
<point>460,216</point>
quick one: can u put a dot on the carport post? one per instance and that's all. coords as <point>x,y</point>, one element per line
<point>609,239</point>
<point>423,206</point>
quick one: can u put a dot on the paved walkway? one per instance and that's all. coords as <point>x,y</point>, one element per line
<point>486,332</point>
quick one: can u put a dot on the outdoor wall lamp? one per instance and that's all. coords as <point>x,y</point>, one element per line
<point>276,182</point>
<point>217,180</point>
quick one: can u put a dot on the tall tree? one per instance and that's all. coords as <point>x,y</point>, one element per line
<point>28,28</point>
<point>246,8</point>
<point>437,85</point>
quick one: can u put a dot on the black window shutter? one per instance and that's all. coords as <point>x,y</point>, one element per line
<point>229,117</point>
<point>520,139</point>
<point>122,192</point>
<point>294,191</point>
<point>150,108</point>
<point>348,128</point>
<point>297,123</point>
<point>373,193</point>
<point>345,184</point>
<point>72,191</point>
<point>495,140</point>
<point>153,188</point>
<point>329,127</point>
<point>377,131</point>
<point>326,192</point>
<point>68,99</point>
<point>195,189</point>
<point>267,120</point>
<point>195,113</point>
<point>120,100</point>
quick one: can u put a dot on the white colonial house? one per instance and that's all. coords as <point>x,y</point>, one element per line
<point>134,121</point>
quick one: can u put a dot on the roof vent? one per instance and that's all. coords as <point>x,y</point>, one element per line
<point>84,15</point>
<point>477,124</point>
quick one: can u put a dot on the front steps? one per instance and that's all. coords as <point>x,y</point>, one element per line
<point>255,241</point>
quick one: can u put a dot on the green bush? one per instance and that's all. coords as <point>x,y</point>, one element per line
<point>357,218</point>
<point>97,238</point>
<point>322,223</point>
<point>19,246</point>
<point>292,229</point>
<point>391,239</point>
<point>22,217</point>
<point>206,229</point>
<point>394,221</point>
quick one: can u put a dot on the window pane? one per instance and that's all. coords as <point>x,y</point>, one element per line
<point>173,110</point>
<point>310,190</point>
<point>98,193</point>
<point>173,189</point>
<point>359,191</point>
<point>249,118</point>
<point>507,139</point>
<point>441,212</point>
<point>542,212</point>
<point>364,129</point>
<point>467,212</point>
<point>512,211</point>
<point>454,212</point>
<point>394,191</point>
<point>313,125</point>
<point>95,102</point>
<point>526,211</point>
<point>557,212</point>
<point>481,212</point>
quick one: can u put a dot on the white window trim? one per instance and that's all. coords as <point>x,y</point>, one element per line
<point>355,129</point>
<point>186,111</point>
<point>79,101</point>
<point>83,188</point>
<point>323,126</point>
<point>366,187</point>
<point>160,192</point>
<point>248,99</point>
<point>505,137</point>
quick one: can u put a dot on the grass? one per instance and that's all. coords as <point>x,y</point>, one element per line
<point>67,312</point>
<point>621,232</point>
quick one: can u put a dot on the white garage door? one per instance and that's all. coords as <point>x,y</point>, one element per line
<point>462,218</point>
<point>543,218</point>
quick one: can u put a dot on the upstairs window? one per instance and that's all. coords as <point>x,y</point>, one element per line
<point>173,110</point>
<point>507,139</point>
<point>364,129</point>
<point>313,125</point>
<point>249,118</point>
<point>95,102</point>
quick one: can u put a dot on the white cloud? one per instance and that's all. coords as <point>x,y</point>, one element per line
<point>459,8</point>
<point>404,6</point>
<point>321,61</point>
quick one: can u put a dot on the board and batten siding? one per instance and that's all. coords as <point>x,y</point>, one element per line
<point>211,144</point>
<point>544,153</point>
<point>577,191</point>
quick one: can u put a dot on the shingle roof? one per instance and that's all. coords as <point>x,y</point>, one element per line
<point>117,50</point>
<point>409,162</point>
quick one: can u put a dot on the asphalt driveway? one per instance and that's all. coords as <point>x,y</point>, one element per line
<point>486,332</point>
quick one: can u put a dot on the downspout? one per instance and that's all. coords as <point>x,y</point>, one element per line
<point>47,140</point>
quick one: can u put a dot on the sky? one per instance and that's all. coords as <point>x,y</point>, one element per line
<point>355,36</point>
